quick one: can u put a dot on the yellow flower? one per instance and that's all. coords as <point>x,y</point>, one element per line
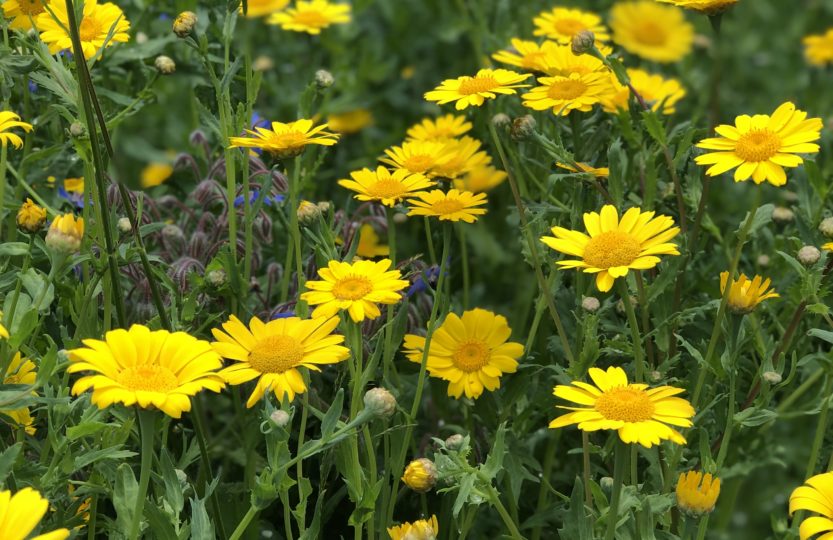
<point>474,91</point>
<point>272,352</point>
<point>155,174</point>
<point>640,415</point>
<point>420,475</point>
<point>527,55</point>
<point>816,495</point>
<point>384,186</point>
<point>31,217</point>
<point>356,287</point>
<point>464,155</point>
<point>22,12</point>
<point>369,246</point>
<point>21,371</point>
<point>819,48</point>
<point>95,25</point>
<point>652,31</point>
<point>480,179</point>
<point>261,8</point>
<point>470,352</point>
<point>312,17</point>
<point>561,24</point>
<point>761,146</point>
<point>422,529</point>
<point>74,185</point>
<point>439,129</point>
<point>286,140</point>
<point>146,368</point>
<point>709,7</point>
<point>455,205</point>
<point>9,120</point>
<point>659,93</point>
<point>828,246</point>
<point>565,94</point>
<point>4,332</point>
<point>746,294</point>
<point>601,172</point>
<point>184,24</point>
<point>612,246</point>
<point>561,60</point>
<point>350,122</point>
<point>21,513</point>
<point>65,233</point>
<point>419,157</point>
<point>697,493</point>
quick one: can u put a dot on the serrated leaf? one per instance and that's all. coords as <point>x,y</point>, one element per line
<point>494,462</point>
<point>328,423</point>
<point>654,127</point>
<point>753,416</point>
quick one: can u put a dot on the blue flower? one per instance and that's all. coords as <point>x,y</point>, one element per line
<point>254,194</point>
<point>76,198</point>
<point>420,284</point>
<point>33,86</point>
<point>258,121</point>
<point>282,315</point>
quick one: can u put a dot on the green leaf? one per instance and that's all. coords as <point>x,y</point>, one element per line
<point>39,288</point>
<point>13,249</point>
<point>173,487</point>
<point>201,527</point>
<point>654,127</point>
<point>7,459</point>
<point>328,423</point>
<point>465,489</point>
<point>762,217</point>
<point>826,335</point>
<point>112,452</point>
<point>84,429</point>
<point>753,416</point>
<point>125,491</point>
<point>494,462</point>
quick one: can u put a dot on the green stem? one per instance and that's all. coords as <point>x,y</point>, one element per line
<point>294,227</point>
<point>147,430</point>
<point>702,527</point>
<point>244,523</point>
<point>621,463</point>
<point>431,253</point>
<point>636,338</point>
<point>464,253</point>
<point>821,428</point>
<point>494,498</point>
<point>3,154</point>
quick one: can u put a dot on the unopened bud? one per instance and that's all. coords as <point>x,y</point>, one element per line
<point>263,63</point>
<point>590,304</point>
<point>279,418</point>
<point>523,127</point>
<point>216,278</point>
<point>781,214</point>
<point>420,475</point>
<point>400,218</point>
<point>184,23</point>
<point>324,206</point>
<point>124,225</point>
<point>324,79</point>
<point>308,212</point>
<point>583,42</point>
<point>826,227</point>
<point>809,255</point>
<point>65,234</point>
<point>606,483</point>
<point>501,121</point>
<point>380,402</point>
<point>454,442</point>
<point>31,217</point>
<point>165,64</point>
<point>141,37</point>
<point>656,376</point>
<point>77,129</point>
<point>763,260</point>
<point>772,377</point>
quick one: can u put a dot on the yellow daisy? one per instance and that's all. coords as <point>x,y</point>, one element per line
<point>10,120</point>
<point>4,332</point>
<point>97,21</point>
<point>474,91</point>
<point>21,513</point>
<point>439,129</point>
<point>819,48</point>
<point>746,294</point>
<point>355,287</point>
<point>65,233</point>
<point>455,205</point>
<point>155,174</point>
<point>30,217</point>
<point>261,8</point>
<point>828,246</point>
<point>21,371</point>
<point>470,352</point>
<point>418,157</point>
<point>709,7</point>
<point>384,186</point>
<point>369,246</point>
<point>640,415</point>
<point>480,179</point>
<point>697,493</point>
<point>465,154</point>
<point>23,13</point>
<point>600,172</point>
<point>816,495</point>
<point>560,60</point>
<point>652,31</point>
<point>350,122</point>
<point>146,368</point>
<point>422,529</point>
<point>761,146</point>
<point>272,352</point>
<point>659,93</point>
<point>286,140</point>
<point>561,24</point>
<point>565,94</point>
<point>312,17</point>
<point>527,55</point>
<point>612,246</point>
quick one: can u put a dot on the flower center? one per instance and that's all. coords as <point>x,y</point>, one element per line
<point>476,85</point>
<point>89,29</point>
<point>471,356</point>
<point>148,378</point>
<point>569,27</point>
<point>758,145</point>
<point>276,354</point>
<point>625,404</point>
<point>447,206</point>
<point>566,89</point>
<point>30,7</point>
<point>418,162</point>
<point>612,248</point>
<point>650,33</point>
<point>387,189</point>
<point>313,19</point>
<point>291,139</point>
<point>352,288</point>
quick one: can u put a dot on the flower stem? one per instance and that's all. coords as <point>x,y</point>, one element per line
<point>494,498</point>
<point>821,428</point>
<point>464,254</point>
<point>636,338</point>
<point>621,462</point>
<point>244,523</point>
<point>3,154</point>
<point>147,430</point>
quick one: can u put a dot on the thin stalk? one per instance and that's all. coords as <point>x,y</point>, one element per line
<point>244,523</point>
<point>821,428</point>
<point>147,430</point>
<point>620,464</point>
<point>636,338</point>
<point>431,253</point>
<point>702,528</point>
<point>585,454</point>
<point>494,498</point>
<point>464,254</point>
<point>294,227</point>
<point>3,155</point>
<point>549,463</point>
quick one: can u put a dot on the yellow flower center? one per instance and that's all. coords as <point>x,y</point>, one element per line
<point>312,19</point>
<point>758,145</point>
<point>148,378</point>
<point>30,7</point>
<point>626,404</point>
<point>612,248</point>
<point>566,89</point>
<point>471,356</point>
<point>569,27</point>
<point>386,189</point>
<point>352,288</point>
<point>291,139</point>
<point>476,85</point>
<point>276,354</point>
<point>418,162</point>
<point>650,33</point>
<point>89,29</point>
<point>447,206</point>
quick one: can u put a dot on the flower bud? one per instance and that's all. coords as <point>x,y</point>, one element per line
<point>30,217</point>
<point>420,475</point>
<point>523,128</point>
<point>124,225</point>
<point>656,376</point>
<point>308,212</point>
<point>501,121</point>
<point>279,418</point>
<point>400,218</point>
<point>809,255</point>
<point>454,442</point>
<point>620,305</point>
<point>141,37</point>
<point>826,227</point>
<point>606,483</point>
<point>184,23</point>
<point>697,493</point>
<point>380,402</point>
<point>216,278</point>
<point>583,42</point>
<point>65,234</point>
<point>590,304</point>
<point>263,63</point>
<point>324,79</point>
<point>77,129</point>
<point>781,214</point>
<point>165,64</point>
<point>772,377</point>
<point>763,260</point>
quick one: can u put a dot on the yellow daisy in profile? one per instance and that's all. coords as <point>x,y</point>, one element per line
<point>818,49</point>
<point>652,31</point>
<point>385,186</point>
<point>369,245</point>
<point>22,13</point>
<point>561,24</point>
<point>565,94</point>
<point>480,179</point>
<point>286,140</point>
<point>455,205</point>
<point>474,91</point>
<point>422,529</point>
<point>816,495</point>
<point>155,174</point>
<point>640,414</point>
<point>761,146</point>
<point>527,55</point>
<point>30,217</point>
<point>439,129</point>
<point>560,60</point>
<point>312,17</point>
<point>261,8</point>
<point>272,352</point>
<point>65,233</point>
<point>350,122</point>
<point>471,352</point>
<point>612,246</point>
<point>146,368</point>
<point>697,493</point>
<point>21,371</point>
<point>600,172</point>
<point>746,294</point>
<point>709,7</point>
<point>418,157</point>
<point>465,154</point>
<point>356,288</point>
<point>659,93</point>
<point>97,21</point>
<point>9,120</point>
<point>21,513</point>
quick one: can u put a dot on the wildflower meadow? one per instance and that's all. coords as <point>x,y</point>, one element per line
<point>416,269</point>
